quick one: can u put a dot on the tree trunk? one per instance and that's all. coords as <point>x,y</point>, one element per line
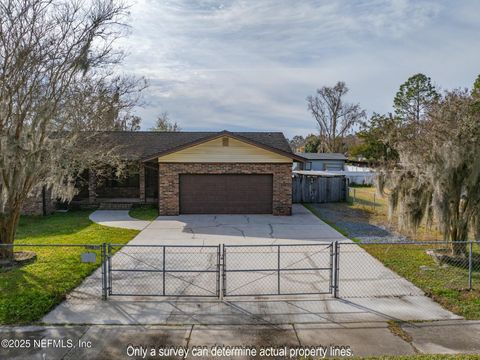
<point>459,248</point>
<point>459,234</point>
<point>8,227</point>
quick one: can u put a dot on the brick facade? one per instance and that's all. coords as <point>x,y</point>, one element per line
<point>168,182</point>
<point>39,204</point>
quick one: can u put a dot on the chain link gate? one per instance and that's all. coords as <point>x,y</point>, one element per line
<point>270,270</point>
<point>218,271</point>
<point>163,270</point>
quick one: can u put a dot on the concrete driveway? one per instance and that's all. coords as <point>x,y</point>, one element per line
<point>369,291</point>
<point>237,229</point>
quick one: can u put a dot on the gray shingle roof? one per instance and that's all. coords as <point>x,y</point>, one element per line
<point>136,145</point>
<point>322,156</point>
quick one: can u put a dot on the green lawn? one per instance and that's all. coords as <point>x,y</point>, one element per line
<point>144,212</point>
<point>31,291</point>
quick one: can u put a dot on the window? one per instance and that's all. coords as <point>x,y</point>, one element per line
<point>308,165</point>
<point>130,179</point>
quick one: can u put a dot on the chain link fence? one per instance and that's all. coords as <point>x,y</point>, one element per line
<point>43,274</point>
<point>261,270</point>
<point>343,269</point>
<point>392,269</point>
<point>365,197</point>
<point>158,270</point>
<point>85,257</point>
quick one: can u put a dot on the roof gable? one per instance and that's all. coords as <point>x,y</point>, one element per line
<point>232,135</point>
<point>225,149</point>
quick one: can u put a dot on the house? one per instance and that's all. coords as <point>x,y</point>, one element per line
<point>194,173</point>
<point>321,162</point>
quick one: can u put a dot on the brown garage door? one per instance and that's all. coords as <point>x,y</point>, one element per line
<point>226,194</point>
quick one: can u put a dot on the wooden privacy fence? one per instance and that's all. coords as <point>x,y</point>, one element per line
<point>319,189</point>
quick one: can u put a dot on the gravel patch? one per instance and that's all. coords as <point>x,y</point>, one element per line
<point>357,227</point>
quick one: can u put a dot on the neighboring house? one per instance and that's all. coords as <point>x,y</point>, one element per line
<point>321,162</point>
<point>196,173</point>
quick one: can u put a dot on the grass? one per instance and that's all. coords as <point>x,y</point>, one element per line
<point>446,284</point>
<point>30,291</point>
<point>144,212</point>
<point>395,328</point>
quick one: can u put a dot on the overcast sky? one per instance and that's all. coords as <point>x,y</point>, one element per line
<point>249,65</point>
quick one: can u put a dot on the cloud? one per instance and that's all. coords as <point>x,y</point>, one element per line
<point>246,64</point>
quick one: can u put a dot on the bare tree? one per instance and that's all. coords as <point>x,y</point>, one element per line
<point>334,116</point>
<point>130,123</point>
<point>107,103</point>
<point>164,123</point>
<point>54,55</point>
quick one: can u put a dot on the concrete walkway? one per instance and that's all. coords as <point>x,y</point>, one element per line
<point>119,219</point>
<point>364,339</point>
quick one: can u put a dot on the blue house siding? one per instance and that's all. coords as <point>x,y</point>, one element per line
<point>324,165</point>
<point>322,162</point>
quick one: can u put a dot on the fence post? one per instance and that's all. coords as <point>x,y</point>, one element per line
<point>354,195</point>
<point>331,268</point>
<point>224,271</point>
<point>109,268</point>
<point>163,271</point>
<point>219,273</point>
<point>374,201</point>
<point>470,267</point>
<point>104,271</point>
<point>335,269</point>
<point>278,268</point>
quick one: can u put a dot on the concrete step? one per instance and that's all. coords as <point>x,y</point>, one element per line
<point>115,206</point>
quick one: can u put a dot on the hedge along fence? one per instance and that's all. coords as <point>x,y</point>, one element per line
<point>319,188</point>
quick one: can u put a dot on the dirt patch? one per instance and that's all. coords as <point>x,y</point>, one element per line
<point>24,256</point>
